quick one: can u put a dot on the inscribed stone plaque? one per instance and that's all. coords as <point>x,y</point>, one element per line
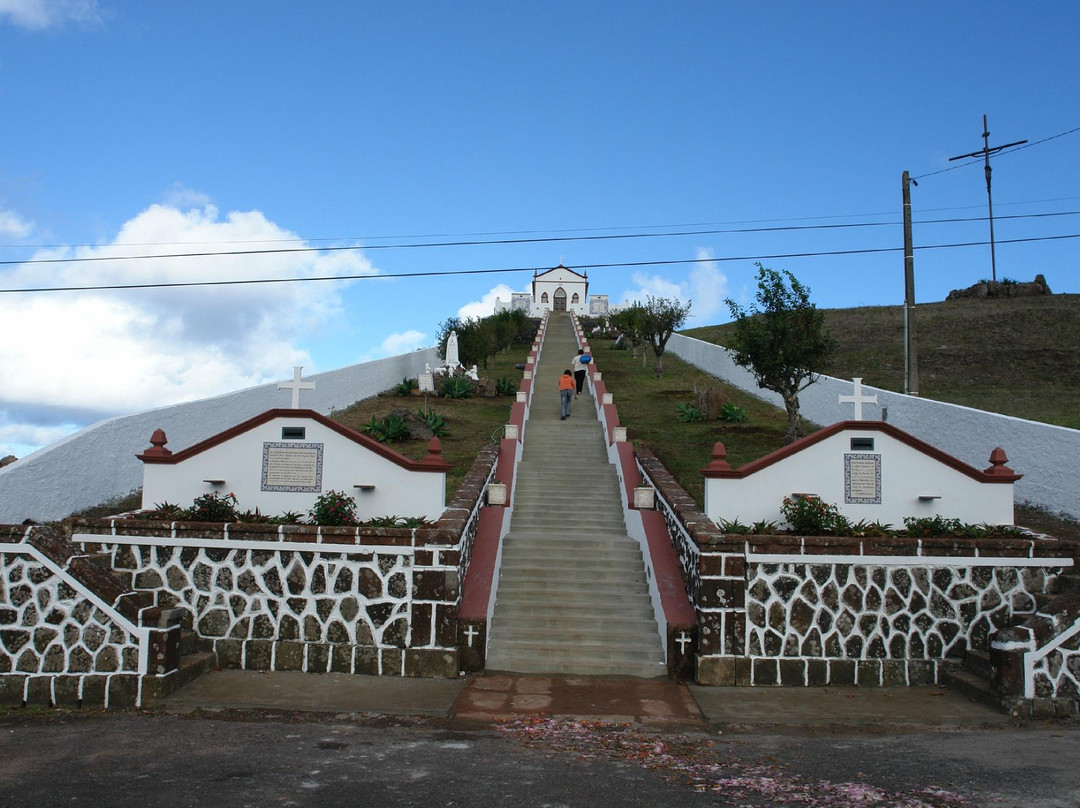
<point>426,382</point>
<point>292,467</point>
<point>862,479</point>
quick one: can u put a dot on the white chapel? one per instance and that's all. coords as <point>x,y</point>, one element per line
<point>558,289</point>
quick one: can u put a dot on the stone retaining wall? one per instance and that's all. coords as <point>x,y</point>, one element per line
<point>262,597</point>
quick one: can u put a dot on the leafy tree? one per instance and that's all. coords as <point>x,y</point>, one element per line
<point>662,318</point>
<point>630,323</point>
<point>783,340</point>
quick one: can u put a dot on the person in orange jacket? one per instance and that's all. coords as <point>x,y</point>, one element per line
<point>566,391</point>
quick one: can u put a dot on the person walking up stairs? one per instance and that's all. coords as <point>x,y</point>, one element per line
<point>572,596</point>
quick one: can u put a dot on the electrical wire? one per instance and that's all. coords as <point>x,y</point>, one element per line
<point>458,272</point>
<point>504,242</point>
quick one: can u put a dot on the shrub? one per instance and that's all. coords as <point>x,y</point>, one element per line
<point>690,413</point>
<point>435,422</point>
<point>456,387</point>
<point>406,386</point>
<point>213,507</point>
<point>396,521</point>
<point>932,526</point>
<point>732,413</point>
<point>387,430</point>
<point>333,508</point>
<point>811,516</point>
<point>505,387</point>
<point>164,511</point>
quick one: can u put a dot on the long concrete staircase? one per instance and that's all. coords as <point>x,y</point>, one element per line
<point>572,596</point>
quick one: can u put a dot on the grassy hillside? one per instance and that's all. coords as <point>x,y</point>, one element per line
<point>1014,356</point>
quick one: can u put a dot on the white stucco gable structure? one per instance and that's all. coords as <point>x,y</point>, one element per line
<point>870,470</point>
<point>557,289</point>
<point>282,460</point>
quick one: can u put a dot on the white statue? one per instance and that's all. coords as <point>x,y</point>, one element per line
<point>472,374</point>
<point>452,360</point>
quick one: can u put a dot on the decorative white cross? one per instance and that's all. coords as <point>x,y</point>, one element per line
<point>683,640</point>
<point>857,398</point>
<point>472,632</point>
<point>296,386</point>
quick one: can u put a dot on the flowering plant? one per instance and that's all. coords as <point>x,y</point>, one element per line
<point>213,507</point>
<point>333,508</point>
<point>811,516</point>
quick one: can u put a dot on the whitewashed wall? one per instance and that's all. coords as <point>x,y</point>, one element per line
<point>345,464</point>
<point>908,478</point>
<point>98,463</point>
<point>1048,456</point>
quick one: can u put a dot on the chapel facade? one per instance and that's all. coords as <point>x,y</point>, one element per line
<point>557,289</point>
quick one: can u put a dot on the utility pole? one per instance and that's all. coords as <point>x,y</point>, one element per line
<point>911,364</point>
<point>986,151</point>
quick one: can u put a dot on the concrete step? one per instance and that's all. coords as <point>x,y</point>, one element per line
<point>540,608</point>
<point>547,521</point>
<point>576,625</point>
<point>195,665</point>
<point>554,550</point>
<point>567,575</point>
<point>639,651</point>
<point>625,668</point>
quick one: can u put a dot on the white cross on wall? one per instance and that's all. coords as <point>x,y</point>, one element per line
<point>472,632</point>
<point>296,386</point>
<point>683,640</point>
<point>857,398</point>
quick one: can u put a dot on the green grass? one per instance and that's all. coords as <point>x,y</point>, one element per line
<point>647,408</point>
<point>1019,357</point>
<point>473,422</point>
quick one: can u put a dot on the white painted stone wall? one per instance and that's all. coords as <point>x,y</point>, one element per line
<point>908,479</point>
<point>345,464</point>
<point>98,463</point>
<point>1048,456</point>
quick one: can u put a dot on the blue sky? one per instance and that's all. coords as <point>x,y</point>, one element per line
<point>133,128</point>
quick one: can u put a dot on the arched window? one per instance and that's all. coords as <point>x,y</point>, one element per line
<point>544,298</point>
<point>575,298</point>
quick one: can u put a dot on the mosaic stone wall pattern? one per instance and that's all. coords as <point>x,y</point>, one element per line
<point>284,609</point>
<point>885,613</point>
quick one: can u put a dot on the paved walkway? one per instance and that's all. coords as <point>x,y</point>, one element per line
<point>489,699</point>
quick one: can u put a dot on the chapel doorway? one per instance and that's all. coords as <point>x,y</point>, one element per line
<point>560,299</point>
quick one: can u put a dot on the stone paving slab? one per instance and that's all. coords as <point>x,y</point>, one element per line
<point>639,701</point>
<point>489,699</point>
<point>315,692</point>
<point>931,707</point>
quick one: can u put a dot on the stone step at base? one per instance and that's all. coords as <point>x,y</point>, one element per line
<point>624,669</point>
<point>965,682</point>
<point>978,663</point>
<point>192,666</point>
<point>579,570</point>
<point>581,652</point>
<point>615,601</point>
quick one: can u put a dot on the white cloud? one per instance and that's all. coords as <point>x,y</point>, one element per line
<point>485,306</point>
<point>397,344</point>
<point>41,14</point>
<point>99,353</point>
<point>12,225</point>
<point>704,285</point>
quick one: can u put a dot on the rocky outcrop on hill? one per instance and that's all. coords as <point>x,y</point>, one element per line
<point>1003,288</point>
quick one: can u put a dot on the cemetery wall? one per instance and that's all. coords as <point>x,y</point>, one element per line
<point>1045,454</point>
<point>98,463</point>
<point>811,611</point>
<point>70,634</point>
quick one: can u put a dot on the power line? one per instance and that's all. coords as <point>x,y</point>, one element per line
<point>503,242</point>
<point>454,272</point>
<point>1005,150</point>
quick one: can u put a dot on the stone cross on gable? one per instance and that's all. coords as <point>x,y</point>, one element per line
<point>296,386</point>
<point>857,398</point>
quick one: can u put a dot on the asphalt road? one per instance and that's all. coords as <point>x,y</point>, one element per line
<point>273,759</point>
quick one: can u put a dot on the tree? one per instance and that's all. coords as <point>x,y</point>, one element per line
<point>662,318</point>
<point>784,342</point>
<point>630,323</point>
